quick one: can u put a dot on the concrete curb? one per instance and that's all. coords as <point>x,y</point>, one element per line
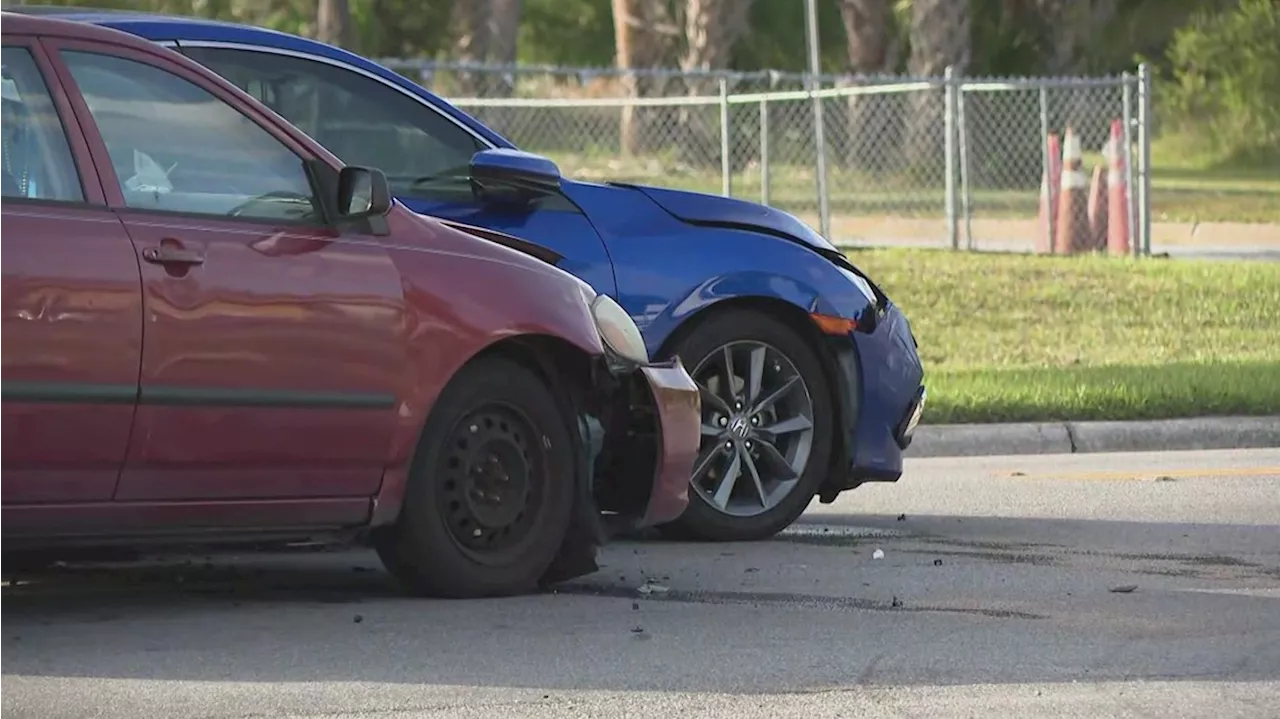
<point>973,440</point>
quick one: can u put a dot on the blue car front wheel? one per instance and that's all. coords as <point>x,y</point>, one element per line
<point>767,425</point>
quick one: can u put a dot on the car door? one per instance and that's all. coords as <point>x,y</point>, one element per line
<point>274,354</point>
<point>72,307</point>
<point>366,120</point>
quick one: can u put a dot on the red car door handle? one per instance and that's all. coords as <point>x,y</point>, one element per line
<point>166,255</point>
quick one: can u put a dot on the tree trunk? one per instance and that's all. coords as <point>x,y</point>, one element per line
<point>469,24</point>
<point>1064,21</point>
<point>710,27</point>
<point>866,30</point>
<point>940,36</point>
<point>504,30</point>
<point>333,22</point>
<point>624,53</point>
<point>504,36</point>
<point>642,30</point>
<point>212,9</point>
<point>1072,26</point>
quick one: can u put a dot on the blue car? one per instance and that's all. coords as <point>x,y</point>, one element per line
<point>810,378</point>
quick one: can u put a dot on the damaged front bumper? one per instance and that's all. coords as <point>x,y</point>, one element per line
<point>646,452</point>
<point>679,410</point>
<point>907,427</point>
<point>881,394</point>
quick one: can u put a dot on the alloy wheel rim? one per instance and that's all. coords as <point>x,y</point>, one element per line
<point>757,428</point>
<point>491,481</point>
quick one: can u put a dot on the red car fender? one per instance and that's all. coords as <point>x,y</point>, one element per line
<point>462,296</point>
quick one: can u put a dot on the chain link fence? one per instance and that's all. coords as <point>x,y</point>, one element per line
<point>1002,145</point>
<point>467,79</point>
<point>945,161</point>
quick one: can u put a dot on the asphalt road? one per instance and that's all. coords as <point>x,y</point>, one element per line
<point>1066,586</point>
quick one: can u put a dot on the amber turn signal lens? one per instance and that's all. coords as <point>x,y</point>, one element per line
<point>834,325</point>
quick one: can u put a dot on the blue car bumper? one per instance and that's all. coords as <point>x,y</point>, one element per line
<point>881,393</point>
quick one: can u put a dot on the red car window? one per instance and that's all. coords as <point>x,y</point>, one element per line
<point>36,158</point>
<point>176,147</point>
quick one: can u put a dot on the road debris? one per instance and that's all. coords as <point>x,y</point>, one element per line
<point>937,562</point>
<point>878,554</point>
<point>896,602</point>
<point>1124,589</point>
<point>653,588</point>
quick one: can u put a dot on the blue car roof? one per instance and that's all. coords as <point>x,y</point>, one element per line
<point>160,28</point>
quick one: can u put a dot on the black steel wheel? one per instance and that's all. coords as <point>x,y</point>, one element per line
<point>490,493</point>
<point>490,484</point>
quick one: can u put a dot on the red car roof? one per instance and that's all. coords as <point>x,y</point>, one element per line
<point>52,26</point>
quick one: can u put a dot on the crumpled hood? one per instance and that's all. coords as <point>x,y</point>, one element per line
<point>698,208</point>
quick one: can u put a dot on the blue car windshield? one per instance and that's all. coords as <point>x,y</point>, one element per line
<point>362,120</point>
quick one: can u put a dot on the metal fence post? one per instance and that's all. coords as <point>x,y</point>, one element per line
<point>949,151</point>
<point>726,165</point>
<point>1130,208</point>
<point>764,152</point>
<point>820,143</point>
<point>1144,156</point>
<point>819,126</point>
<point>962,142</point>
<point>1046,162</point>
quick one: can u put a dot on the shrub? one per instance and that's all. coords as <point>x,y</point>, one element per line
<point>1224,86</point>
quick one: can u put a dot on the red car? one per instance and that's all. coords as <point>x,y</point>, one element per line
<point>215,331</point>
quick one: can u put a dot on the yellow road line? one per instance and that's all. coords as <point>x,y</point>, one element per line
<point>1133,475</point>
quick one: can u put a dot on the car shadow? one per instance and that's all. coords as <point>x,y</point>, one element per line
<point>956,601</point>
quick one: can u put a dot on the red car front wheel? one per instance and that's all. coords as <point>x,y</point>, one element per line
<point>490,492</point>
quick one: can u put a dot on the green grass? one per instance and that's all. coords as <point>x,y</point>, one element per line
<point>1025,338</point>
<point>1187,185</point>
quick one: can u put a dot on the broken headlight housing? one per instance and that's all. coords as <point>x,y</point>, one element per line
<point>618,331</point>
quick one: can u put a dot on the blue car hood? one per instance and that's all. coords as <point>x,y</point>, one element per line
<point>697,208</point>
